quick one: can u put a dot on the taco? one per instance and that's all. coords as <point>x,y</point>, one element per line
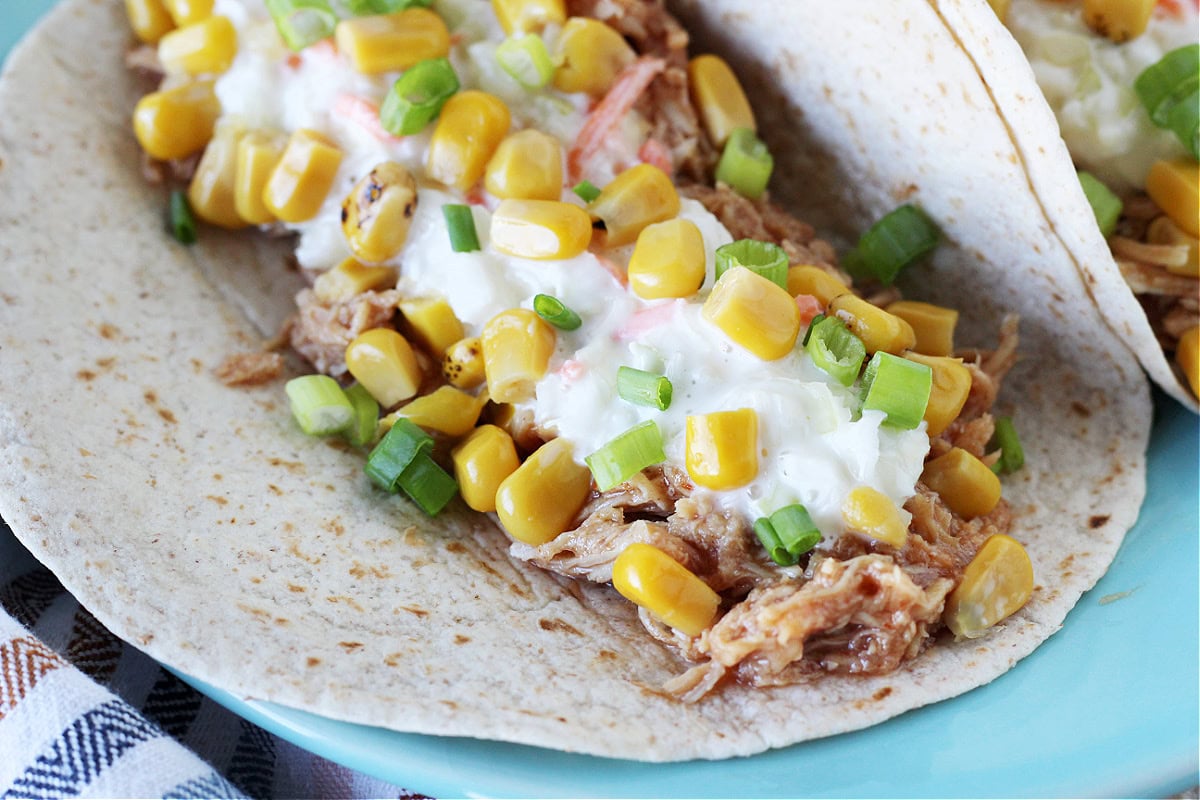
<point>200,522</point>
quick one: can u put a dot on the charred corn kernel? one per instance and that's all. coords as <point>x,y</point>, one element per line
<point>718,96</point>
<point>650,578</point>
<point>1175,187</point>
<point>1001,8</point>
<point>517,345</point>
<point>965,483</point>
<point>462,365</point>
<point>1163,231</point>
<point>754,312</point>
<point>303,177</point>
<point>377,213</point>
<point>638,197</point>
<point>351,278</point>
<point>932,325</point>
<point>481,463</point>
<point>211,192</point>
<point>468,131</point>
<point>540,229</point>
<point>591,55</point>
<point>188,12</point>
<point>383,361</point>
<point>258,154</point>
<point>951,385</point>
<point>445,409</point>
<point>1119,20</point>
<point>878,329</point>
<point>149,19</point>
<point>872,513</point>
<point>997,582</point>
<point>388,42</point>
<point>804,279</point>
<point>433,321</point>
<point>1187,356</point>
<point>540,498</point>
<point>668,260</point>
<point>176,123</point>
<point>529,16</point>
<point>206,47</point>
<point>722,448</point>
<point>527,165</point>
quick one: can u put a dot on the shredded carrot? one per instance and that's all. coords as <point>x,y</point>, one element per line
<point>326,49</point>
<point>648,319</point>
<point>363,113</point>
<point>809,307</point>
<point>572,370</point>
<point>613,268</point>
<point>625,91</point>
<point>655,152</point>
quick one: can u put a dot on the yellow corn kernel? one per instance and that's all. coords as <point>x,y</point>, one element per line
<point>377,213</point>
<point>468,131</point>
<point>527,165</point>
<point>1175,187</point>
<point>1187,356</point>
<point>445,409</point>
<point>878,329</point>
<point>383,361</point>
<point>650,578</point>
<point>538,501</point>
<point>388,42</point>
<point>932,325</point>
<point>258,154</point>
<point>1001,8</point>
<point>754,312</point>
<point>350,278</point>
<point>149,19</point>
<point>481,463</point>
<point>718,96</point>
<point>668,260</point>
<point>176,123</point>
<point>965,483</point>
<point>433,321</point>
<point>805,279</point>
<point>722,448</point>
<point>1119,20</point>
<point>997,583</point>
<point>590,55</point>
<point>529,16</point>
<point>462,365</point>
<point>872,513</point>
<point>188,12</point>
<point>211,190</point>
<point>303,177</point>
<point>1163,231</point>
<point>206,47</point>
<point>951,385</point>
<point>517,345</point>
<point>638,197</point>
<point>540,229</point>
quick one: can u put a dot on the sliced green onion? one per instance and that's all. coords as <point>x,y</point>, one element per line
<point>395,451</point>
<point>745,164</point>
<point>552,310</point>
<point>811,327</point>
<point>361,429</point>
<point>1184,122</point>
<point>526,59</point>
<point>787,534</point>
<point>417,96</point>
<point>626,455</point>
<point>429,486</point>
<point>644,388</point>
<point>1170,91</point>
<point>898,239</point>
<point>1106,206</point>
<point>362,8</point>
<point>898,387</point>
<point>180,219</point>
<point>1012,455</point>
<point>768,260</point>
<point>460,223</point>
<point>587,191</point>
<point>835,349</point>
<point>319,404</point>
<point>303,22</point>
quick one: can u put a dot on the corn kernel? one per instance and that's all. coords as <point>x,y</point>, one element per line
<point>638,197</point>
<point>517,345</point>
<point>1175,187</point>
<point>527,165</point>
<point>149,19</point>
<point>1119,20</point>
<point>388,42</point>
<point>540,229</point>
<point>206,47</point>
<point>591,55</point>
<point>188,12</point>
<point>462,366</point>
<point>384,363</point>
<point>350,278</point>
<point>932,325</point>
<point>965,483</point>
<point>997,582</point>
<point>951,386</point>
<point>722,448</point>
<point>378,212</point>
<point>468,131</point>
<point>754,312</point>
<point>303,177</point>
<point>529,16</point>
<point>445,409</point>
<point>1187,356</point>
<point>1163,231</point>
<point>872,513</point>
<point>718,96</point>
<point>521,499</point>
<point>481,463</point>
<point>668,260</point>
<point>211,192</point>
<point>258,154</point>
<point>805,279</point>
<point>878,329</point>
<point>176,123</point>
<point>433,321</point>
<point>650,578</point>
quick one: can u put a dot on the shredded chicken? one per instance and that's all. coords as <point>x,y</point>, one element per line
<point>249,369</point>
<point>320,331</point>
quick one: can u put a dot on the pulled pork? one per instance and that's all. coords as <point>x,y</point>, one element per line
<point>320,330</point>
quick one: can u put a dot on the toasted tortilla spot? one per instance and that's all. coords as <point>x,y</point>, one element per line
<point>1098,520</point>
<point>881,693</point>
<point>420,612</point>
<point>556,624</point>
<point>312,661</point>
<point>460,639</point>
<point>221,501</point>
<point>350,647</point>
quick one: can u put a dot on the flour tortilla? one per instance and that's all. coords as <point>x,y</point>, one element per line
<point>198,523</point>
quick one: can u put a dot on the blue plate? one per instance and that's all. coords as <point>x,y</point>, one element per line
<point>1110,706</point>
